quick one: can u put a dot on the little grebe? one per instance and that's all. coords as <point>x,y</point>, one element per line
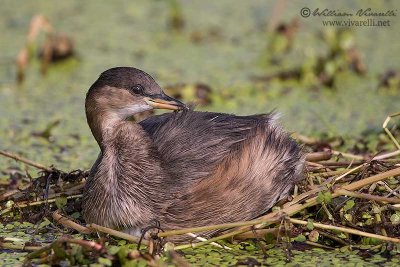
<point>181,169</point>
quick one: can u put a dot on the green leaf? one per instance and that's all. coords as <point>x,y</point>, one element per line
<point>342,235</point>
<point>371,241</point>
<point>349,204</point>
<point>113,249</point>
<point>270,238</point>
<point>121,242</point>
<point>395,218</point>
<point>320,198</point>
<point>104,261</point>
<point>122,255</point>
<point>9,204</point>
<point>324,197</point>
<point>61,202</point>
<point>366,215</point>
<point>59,251</point>
<point>300,238</point>
<point>348,217</point>
<point>327,197</point>
<point>310,225</point>
<point>76,215</point>
<point>44,223</point>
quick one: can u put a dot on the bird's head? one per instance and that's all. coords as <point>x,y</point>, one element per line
<point>125,91</point>
<point>122,92</point>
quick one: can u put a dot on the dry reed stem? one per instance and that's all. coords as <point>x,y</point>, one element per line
<point>345,192</point>
<point>320,187</point>
<point>69,223</point>
<point>5,245</point>
<point>11,193</point>
<point>84,243</point>
<point>116,233</point>
<point>350,172</point>
<point>318,156</point>
<point>318,245</point>
<point>387,155</point>
<point>329,173</point>
<point>384,126</point>
<point>24,204</point>
<point>257,233</point>
<point>346,230</point>
<point>24,160</point>
<point>204,239</point>
<point>372,179</point>
<point>206,228</point>
<point>347,155</point>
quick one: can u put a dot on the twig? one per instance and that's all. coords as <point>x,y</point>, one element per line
<point>13,246</point>
<point>329,173</point>
<point>333,237</point>
<point>346,230</point>
<point>305,195</point>
<point>255,233</point>
<point>70,224</point>
<point>321,187</point>
<point>315,165</point>
<point>207,228</point>
<point>347,155</point>
<point>116,233</point>
<point>331,164</point>
<point>318,156</point>
<point>388,188</point>
<point>373,179</point>
<point>349,172</point>
<point>305,139</point>
<point>393,192</point>
<point>345,192</point>
<point>212,243</point>
<point>39,252</point>
<point>60,194</point>
<point>387,155</point>
<point>384,126</point>
<point>24,204</point>
<point>11,193</point>
<point>26,161</point>
<point>84,243</point>
<point>318,245</point>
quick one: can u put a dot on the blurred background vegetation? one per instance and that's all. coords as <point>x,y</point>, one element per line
<point>251,56</point>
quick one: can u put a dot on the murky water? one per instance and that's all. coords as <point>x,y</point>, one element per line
<point>233,41</point>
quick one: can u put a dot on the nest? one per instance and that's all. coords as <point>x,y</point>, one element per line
<point>346,199</point>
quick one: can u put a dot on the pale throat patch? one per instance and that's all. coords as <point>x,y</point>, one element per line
<point>128,111</point>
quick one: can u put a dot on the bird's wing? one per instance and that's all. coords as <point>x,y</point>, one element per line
<point>235,167</point>
<point>192,144</point>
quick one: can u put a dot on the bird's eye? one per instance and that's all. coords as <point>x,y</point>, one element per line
<point>137,89</point>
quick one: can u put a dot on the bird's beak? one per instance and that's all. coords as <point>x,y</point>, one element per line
<point>163,101</point>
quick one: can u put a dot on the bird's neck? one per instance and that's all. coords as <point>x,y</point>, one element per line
<point>127,177</point>
<point>126,180</point>
<point>127,151</point>
<point>104,126</point>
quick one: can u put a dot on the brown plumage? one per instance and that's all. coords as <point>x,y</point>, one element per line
<point>182,169</point>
